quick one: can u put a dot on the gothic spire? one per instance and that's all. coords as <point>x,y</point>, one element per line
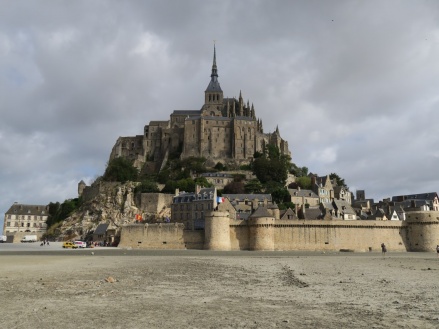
<point>214,84</point>
<point>214,68</point>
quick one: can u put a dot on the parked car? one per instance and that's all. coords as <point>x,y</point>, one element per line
<point>69,244</point>
<point>81,244</point>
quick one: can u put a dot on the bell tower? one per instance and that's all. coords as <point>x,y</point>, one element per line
<point>213,95</point>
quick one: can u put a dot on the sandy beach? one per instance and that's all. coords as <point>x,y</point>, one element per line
<point>182,289</point>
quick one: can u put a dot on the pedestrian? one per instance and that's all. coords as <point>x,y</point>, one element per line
<point>437,250</point>
<point>383,249</point>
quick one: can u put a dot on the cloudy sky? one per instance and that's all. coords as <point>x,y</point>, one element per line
<point>353,85</point>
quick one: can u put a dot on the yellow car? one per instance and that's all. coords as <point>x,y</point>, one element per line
<point>69,244</point>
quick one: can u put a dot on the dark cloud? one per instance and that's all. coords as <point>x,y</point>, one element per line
<point>352,85</point>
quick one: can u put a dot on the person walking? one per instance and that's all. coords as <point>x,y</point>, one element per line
<point>437,250</point>
<point>383,249</point>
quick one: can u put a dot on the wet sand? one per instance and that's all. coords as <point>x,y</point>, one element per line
<point>117,288</point>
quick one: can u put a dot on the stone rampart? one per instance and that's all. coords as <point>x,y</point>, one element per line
<point>154,202</point>
<point>92,192</point>
<point>160,236</point>
<point>339,234</point>
<point>419,233</point>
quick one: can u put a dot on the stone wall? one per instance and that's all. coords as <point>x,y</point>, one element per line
<point>339,234</point>
<point>92,192</point>
<point>154,202</point>
<point>419,233</point>
<point>160,236</point>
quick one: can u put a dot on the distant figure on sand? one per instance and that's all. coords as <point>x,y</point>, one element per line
<point>437,250</point>
<point>383,249</point>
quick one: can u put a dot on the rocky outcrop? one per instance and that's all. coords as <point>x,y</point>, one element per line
<point>112,203</point>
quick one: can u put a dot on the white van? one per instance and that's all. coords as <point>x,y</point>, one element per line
<point>81,244</point>
<point>3,238</point>
<point>29,238</point>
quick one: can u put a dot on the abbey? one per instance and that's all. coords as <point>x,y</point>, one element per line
<point>224,130</point>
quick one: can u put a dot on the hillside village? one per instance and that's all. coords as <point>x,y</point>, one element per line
<point>179,171</point>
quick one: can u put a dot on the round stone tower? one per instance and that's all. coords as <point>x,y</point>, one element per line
<point>261,230</point>
<point>422,230</point>
<point>217,231</point>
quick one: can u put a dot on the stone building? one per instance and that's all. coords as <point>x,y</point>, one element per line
<point>304,197</point>
<point>224,130</point>
<point>26,218</point>
<point>190,208</point>
<point>245,204</point>
<point>323,187</point>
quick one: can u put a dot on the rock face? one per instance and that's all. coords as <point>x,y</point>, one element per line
<point>115,204</point>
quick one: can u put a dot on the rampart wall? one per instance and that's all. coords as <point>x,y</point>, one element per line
<point>92,192</point>
<point>160,236</point>
<point>420,232</point>
<point>154,202</point>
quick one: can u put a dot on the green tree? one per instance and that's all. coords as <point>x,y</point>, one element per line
<point>281,195</point>
<point>304,182</point>
<point>253,186</point>
<point>272,166</point>
<point>58,212</point>
<point>147,186</point>
<point>234,188</point>
<point>120,170</point>
<point>202,181</point>
<point>340,181</point>
<point>298,171</point>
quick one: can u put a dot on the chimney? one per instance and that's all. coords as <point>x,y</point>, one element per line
<point>177,192</point>
<point>197,188</point>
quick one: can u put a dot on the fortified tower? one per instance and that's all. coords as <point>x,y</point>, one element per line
<point>261,230</point>
<point>217,231</point>
<point>422,230</point>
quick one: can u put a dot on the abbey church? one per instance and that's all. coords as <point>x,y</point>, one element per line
<point>224,130</point>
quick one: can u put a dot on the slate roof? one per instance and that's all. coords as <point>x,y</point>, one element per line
<point>183,112</point>
<point>242,215</point>
<point>26,209</point>
<point>242,197</point>
<point>159,123</point>
<point>101,229</point>
<point>287,212</point>
<point>216,174</point>
<point>192,196</point>
<point>422,196</point>
<point>261,212</point>
<point>313,213</point>
<point>344,206</point>
<point>327,205</point>
<point>302,193</point>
